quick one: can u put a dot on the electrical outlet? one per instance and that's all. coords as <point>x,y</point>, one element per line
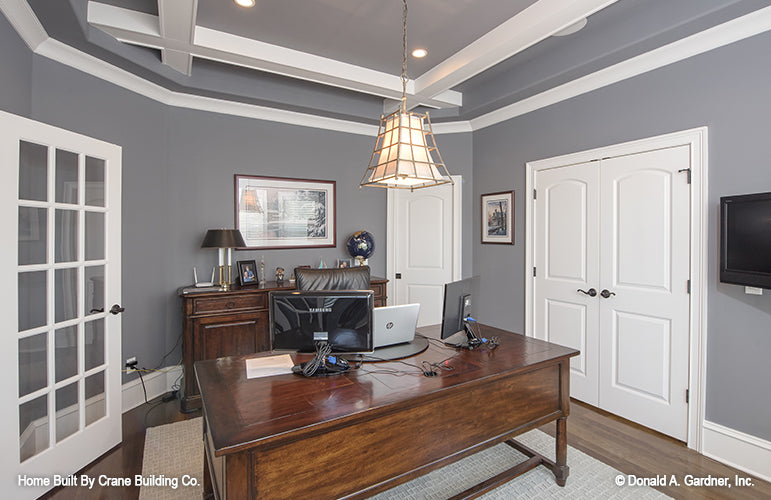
<point>131,362</point>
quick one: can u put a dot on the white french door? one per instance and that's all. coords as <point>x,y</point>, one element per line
<point>612,260</point>
<point>424,242</point>
<point>60,346</point>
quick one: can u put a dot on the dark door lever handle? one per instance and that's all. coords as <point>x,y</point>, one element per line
<point>591,292</point>
<point>116,309</point>
<point>607,293</point>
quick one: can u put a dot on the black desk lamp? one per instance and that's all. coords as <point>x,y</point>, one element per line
<point>224,239</point>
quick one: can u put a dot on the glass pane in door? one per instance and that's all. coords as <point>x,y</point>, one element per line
<point>95,401</point>
<point>33,363</point>
<point>66,240</point>
<point>94,292</point>
<point>33,427</point>
<point>66,290</point>
<point>94,343</point>
<point>94,182</point>
<point>66,177</point>
<point>94,235</point>
<point>33,232</point>
<point>32,300</point>
<point>67,411</point>
<point>66,352</point>
<point>33,171</point>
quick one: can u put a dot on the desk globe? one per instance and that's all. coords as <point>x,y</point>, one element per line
<point>361,246</point>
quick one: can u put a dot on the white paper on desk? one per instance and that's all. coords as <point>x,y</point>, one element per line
<point>269,366</point>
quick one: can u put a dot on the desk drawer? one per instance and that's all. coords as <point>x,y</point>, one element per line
<point>230,304</point>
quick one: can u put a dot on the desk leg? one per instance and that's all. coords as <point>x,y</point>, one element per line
<point>561,469</point>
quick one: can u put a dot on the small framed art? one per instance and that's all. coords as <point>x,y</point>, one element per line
<point>247,272</point>
<point>344,263</point>
<point>498,218</point>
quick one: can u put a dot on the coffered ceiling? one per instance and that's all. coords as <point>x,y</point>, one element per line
<point>342,58</point>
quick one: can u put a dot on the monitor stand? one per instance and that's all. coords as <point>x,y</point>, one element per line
<point>398,351</point>
<point>457,339</point>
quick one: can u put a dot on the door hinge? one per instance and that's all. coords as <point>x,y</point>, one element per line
<point>687,172</point>
<point>535,194</point>
<point>687,396</point>
<point>689,286</point>
<point>533,271</point>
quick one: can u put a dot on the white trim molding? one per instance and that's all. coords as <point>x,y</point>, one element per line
<point>157,383</point>
<point>737,449</point>
<point>696,140</point>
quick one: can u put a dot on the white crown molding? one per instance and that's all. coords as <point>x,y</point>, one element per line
<point>24,21</point>
<point>718,36</point>
<point>29,28</point>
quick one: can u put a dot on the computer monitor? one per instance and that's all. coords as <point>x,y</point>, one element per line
<point>343,318</point>
<point>458,304</point>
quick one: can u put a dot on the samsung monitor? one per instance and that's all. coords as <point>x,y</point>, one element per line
<point>745,240</point>
<point>343,318</point>
<point>458,304</point>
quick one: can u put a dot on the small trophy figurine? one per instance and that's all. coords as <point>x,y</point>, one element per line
<point>279,274</point>
<point>262,270</point>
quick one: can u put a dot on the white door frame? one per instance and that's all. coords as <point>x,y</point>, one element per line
<point>696,139</point>
<point>457,210</point>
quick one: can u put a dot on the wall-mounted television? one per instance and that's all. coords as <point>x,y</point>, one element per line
<point>745,240</point>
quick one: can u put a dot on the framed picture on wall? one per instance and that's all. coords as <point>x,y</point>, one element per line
<point>498,218</point>
<point>276,212</point>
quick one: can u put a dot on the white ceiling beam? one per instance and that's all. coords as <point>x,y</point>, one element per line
<point>535,23</point>
<point>145,30</point>
<point>177,22</point>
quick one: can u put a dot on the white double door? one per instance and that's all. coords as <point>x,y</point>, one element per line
<point>612,246</point>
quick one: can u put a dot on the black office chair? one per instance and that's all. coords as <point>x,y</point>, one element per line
<point>351,278</point>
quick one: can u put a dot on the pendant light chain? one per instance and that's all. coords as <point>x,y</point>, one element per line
<point>404,56</point>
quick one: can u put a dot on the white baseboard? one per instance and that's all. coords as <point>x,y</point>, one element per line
<point>156,384</point>
<point>737,449</point>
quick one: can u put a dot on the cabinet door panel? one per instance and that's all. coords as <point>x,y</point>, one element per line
<point>222,336</point>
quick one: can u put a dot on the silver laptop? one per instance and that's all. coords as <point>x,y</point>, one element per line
<point>394,324</point>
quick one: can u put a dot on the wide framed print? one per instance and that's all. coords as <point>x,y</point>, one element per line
<point>498,218</point>
<point>277,212</point>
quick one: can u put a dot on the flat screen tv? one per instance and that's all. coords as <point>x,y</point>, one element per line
<point>745,240</point>
<point>343,318</point>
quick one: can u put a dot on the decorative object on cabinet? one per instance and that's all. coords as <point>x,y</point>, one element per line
<point>498,217</point>
<point>344,263</point>
<point>217,323</point>
<point>279,275</point>
<point>361,246</point>
<point>405,154</point>
<point>247,272</point>
<point>223,239</point>
<point>275,212</point>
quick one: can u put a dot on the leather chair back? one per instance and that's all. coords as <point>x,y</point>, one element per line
<point>351,278</point>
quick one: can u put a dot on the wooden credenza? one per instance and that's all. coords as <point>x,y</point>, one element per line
<point>219,324</point>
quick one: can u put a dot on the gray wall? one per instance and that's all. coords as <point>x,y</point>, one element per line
<point>16,76</point>
<point>727,90</point>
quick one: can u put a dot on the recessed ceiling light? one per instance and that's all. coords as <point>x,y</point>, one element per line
<point>419,53</point>
<point>245,3</point>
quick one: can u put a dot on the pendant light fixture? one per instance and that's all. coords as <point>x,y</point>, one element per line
<point>405,154</point>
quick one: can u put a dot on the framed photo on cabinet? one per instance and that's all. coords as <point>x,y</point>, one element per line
<point>498,218</point>
<point>276,212</point>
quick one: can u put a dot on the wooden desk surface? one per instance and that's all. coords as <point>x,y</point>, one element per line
<point>247,413</point>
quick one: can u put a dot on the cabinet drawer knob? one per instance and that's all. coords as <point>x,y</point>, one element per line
<point>230,305</point>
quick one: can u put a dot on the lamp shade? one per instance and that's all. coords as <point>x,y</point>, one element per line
<point>223,238</point>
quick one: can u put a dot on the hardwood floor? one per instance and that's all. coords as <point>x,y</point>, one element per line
<point>625,446</point>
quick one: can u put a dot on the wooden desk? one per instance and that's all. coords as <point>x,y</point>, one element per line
<point>353,435</point>
<point>218,324</point>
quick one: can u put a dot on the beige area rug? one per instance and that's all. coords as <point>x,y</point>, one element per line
<point>173,456</point>
<point>174,450</point>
